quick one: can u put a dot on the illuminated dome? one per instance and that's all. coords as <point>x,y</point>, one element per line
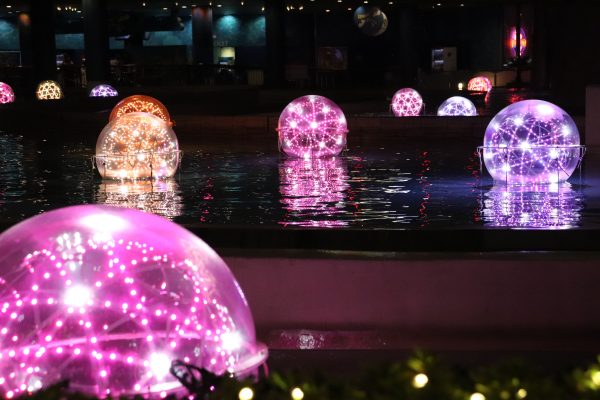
<point>49,90</point>
<point>407,102</point>
<point>103,90</point>
<point>480,84</point>
<point>106,298</point>
<point>312,126</point>
<point>457,106</point>
<point>140,103</point>
<point>531,141</point>
<point>6,93</point>
<point>137,145</point>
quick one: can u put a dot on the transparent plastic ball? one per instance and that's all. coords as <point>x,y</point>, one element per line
<point>49,90</point>
<point>137,145</point>
<point>6,94</point>
<point>479,84</point>
<point>312,126</point>
<point>103,90</point>
<point>107,298</point>
<point>140,103</point>
<point>407,102</point>
<point>457,106</point>
<point>532,141</point>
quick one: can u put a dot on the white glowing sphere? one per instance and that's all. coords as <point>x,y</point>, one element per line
<point>407,102</point>
<point>137,145</point>
<point>532,141</point>
<point>457,106</point>
<point>49,90</point>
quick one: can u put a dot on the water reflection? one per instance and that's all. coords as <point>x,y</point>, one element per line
<point>532,207</point>
<point>161,197</point>
<point>313,191</point>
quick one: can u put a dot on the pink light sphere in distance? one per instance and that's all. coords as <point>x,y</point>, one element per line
<point>407,102</point>
<point>480,84</point>
<point>103,90</point>
<point>312,126</point>
<point>457,106</point>
<point>107,298</point>
<point>6,94</point>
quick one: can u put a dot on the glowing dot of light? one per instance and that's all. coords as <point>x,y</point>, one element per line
<point>246,393</point>
<point>420,380</point>
<point>297,394</point>
<point>477,396</point>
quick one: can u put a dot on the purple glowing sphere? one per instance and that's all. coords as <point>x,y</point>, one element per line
<point>457,106</point>
<point>531,141</point>
<point>407,102</point>
<point>107,298</point>
<point>103,90</point>
<point>312,126</point>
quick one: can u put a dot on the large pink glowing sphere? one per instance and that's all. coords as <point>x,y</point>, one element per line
<point>531,141</point>
<point>457,106</point>
<point>407,102</point>
<point>479,84</point>
<point>312,126</point>
<point>6,94</point>
<point>137,145</point>
<point>107,298</point>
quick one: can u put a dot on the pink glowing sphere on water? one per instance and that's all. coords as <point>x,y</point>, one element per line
<point>480,84</point>
<point>407,102</point>
<point>104,90</point>
<point>107,298</point>
<point>312,126</point>
<point>457,106</point>
<point>532,141</point>
<point>6,94</point>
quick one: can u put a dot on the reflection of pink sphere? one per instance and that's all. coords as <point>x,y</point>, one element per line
<point>107,298</point>
<point>6,94</point>
<point>407,102</point>
<point>480,84</point>
<point>457,106</point>
<point>312,126</point>
<point>103,90</point>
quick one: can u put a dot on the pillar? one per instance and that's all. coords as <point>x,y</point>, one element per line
<point>202,35</point>
<point>275,38</point>
<point>95,35</point>
<point>409,56</point>
<point>43,45</point>
<point>539,47</point>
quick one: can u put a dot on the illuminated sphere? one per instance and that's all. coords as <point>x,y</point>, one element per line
<point>103,90</point>
<point>457,106</point>
<point>6,93</point>
<point>137,145</point>
<point>49,90</point>
<point>312,126</point>
<point>407,102</point>
<point>480,84</point>
<point>531,141</point>
<point>140,103</point>
<point>107,298</point>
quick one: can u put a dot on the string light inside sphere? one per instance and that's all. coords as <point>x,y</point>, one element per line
<point>480,84</point>
<point>531,141</point>
<point>312,126</point>
<point>137,145</point>
<point>107,298</point>
<point>6,94</point>
<point>49,90</point>
<point>104,90</point>
<point>407,102</point>
<point>141,103</point>
<point>457,106</point>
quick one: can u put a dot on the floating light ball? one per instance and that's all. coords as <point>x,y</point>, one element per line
<point>6,94</point>
<point>480,84</point>
<point>532,141</point>
<point>49,90</point>
<point>103,90</point>
<point>407,102</point>
<point>312,126</point>
<point>137,145</point>
<point>140,103</point>
<point>457,106</point>
<point>107,298</point>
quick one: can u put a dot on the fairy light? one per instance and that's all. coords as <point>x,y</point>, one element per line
<point>6,93</point>
<point>49,90</point>
<point>457,106</point>
<point>407,102</point>
<point>141,103</point>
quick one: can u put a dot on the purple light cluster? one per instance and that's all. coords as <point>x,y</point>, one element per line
<point>532,141</point>
<point>407,102</point>
<point>103,90</point>
<point>108,297</point>
<point>312,126</point>
<point>457,106</point>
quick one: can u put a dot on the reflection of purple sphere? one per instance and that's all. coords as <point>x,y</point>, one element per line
<point>107,298</point>
<point>312,126</point>
<point>407,102</point>
<point>457,106</point>
<point>531,141</point>
<point>104,91</point>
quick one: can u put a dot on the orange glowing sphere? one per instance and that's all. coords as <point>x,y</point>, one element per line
<point>49,90</point>
<point>479,84</point>
<point>141,103</point>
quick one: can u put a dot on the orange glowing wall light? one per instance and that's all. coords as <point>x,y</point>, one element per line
<point>512,42</point>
